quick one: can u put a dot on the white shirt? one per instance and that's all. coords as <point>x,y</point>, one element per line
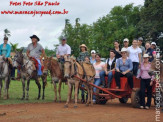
<point>134,53</point>
<point>98,69</point>
<point>63,49</point>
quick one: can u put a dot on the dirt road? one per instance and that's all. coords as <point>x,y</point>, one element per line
<point>113,111</point>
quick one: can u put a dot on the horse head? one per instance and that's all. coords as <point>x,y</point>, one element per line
<point>69,67</point>
<point>46,65</point>
<point>18,58</point>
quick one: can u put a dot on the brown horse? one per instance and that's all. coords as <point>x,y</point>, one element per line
<point>71,69</point>
<point>56,74</point>
<point>27,71</point>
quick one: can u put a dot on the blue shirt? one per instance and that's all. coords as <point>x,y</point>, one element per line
<point>8,51</point>
<point>124,67</point>
<point>92,61</point>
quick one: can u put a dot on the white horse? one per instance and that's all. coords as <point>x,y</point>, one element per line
<point>4,74</point>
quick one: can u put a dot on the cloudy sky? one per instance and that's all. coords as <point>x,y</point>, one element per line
<point>47,27</point>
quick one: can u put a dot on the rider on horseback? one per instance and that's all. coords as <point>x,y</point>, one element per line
<point>63,50</point>
<point>35,51</point>
<point>5,49</point>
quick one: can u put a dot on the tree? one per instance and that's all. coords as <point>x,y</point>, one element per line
<point>7,33</point>
<point>14,47</point>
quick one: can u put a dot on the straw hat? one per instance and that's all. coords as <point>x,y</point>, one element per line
<point>83,45</point>
<point>145,56</point>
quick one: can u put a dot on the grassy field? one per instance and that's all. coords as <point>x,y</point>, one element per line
<point>15,93</point>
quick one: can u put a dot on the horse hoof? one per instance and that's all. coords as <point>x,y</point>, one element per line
<point>26,99</point>
<point>59,101</point>
<point>43,98</point>
<point>75,106</point>
<point>55,101</point>
<point>22,98</point>
<point>86,105</point>
<point>65,106</point>
<point>5,98</point>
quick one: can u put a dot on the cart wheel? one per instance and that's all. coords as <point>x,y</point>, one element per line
<point>100,100</point>
<point>123,100</point>
<point>135,98</point>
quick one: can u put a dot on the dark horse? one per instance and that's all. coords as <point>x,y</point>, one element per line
<point>27,72</point>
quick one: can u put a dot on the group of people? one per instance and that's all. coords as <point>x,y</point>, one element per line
<point>127,61</point>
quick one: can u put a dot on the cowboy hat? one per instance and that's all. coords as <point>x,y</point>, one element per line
<point>34,36</point>
<point>123,50</point>
<point>83,45</point>
<point>145,56</point>
<point>126,40</point>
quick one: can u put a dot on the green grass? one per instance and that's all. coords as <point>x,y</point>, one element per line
<point>15,93</point>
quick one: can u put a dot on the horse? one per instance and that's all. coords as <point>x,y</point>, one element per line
<point>28,72</point>
<point>71,69</point>
<point>4,74</point>
<point>54,67</point>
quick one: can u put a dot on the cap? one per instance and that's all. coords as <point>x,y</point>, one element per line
<point>93,51</point>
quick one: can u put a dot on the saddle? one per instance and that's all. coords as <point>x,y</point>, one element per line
<point>36,64</point>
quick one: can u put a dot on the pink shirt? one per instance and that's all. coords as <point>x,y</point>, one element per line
<point>144,71</point>
<point>98,68</point>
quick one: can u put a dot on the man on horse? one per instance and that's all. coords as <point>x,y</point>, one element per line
<point>5,49</point>
<point>35,51</point>
<point>63,50</point>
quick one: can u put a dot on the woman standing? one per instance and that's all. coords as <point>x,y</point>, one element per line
<point>99,66</point>
<point>135,56</point>
<point>82,55</point>
<point>146,83</point>
<point>117,49</point>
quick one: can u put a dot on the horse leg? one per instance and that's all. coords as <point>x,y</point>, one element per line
<point>39,87</point>
<point>5,89</point>
<point>44,83</point>
<point>28,82</point>
<point>91,94</point>
<point>88,91</point>
<point>8,83</point>
<point>0,87</point>
<point>59,90</point>
<point>76,93</point>
<point>23,85</point>
<point>55,91</point>
<point>69,94</point>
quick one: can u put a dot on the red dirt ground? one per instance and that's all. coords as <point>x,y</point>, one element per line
<point>113,111</point>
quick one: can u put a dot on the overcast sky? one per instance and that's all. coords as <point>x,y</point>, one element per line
<point>48,28</point>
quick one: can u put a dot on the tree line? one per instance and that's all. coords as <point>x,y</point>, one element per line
<point>122,22</point>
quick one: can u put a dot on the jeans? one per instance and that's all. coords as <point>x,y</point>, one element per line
<point>97,82</point>
<point>129,78</point>
<point>145,84</point>
<point>102,78</point>
<point>13,73</point>
<point>82,91</point>
<point>135,68</point>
